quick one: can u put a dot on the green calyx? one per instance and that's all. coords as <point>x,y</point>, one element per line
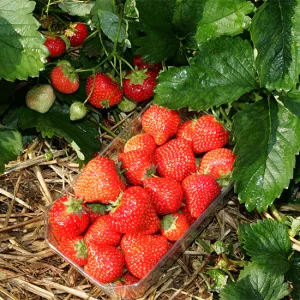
<point>69,71</point>
<point>74,206</point>
<point>137,77</point>
<point>81,249</point>
<point>168,222</point>
<point>115,204</point>
<point>97,207</point>
<point>77,111</point>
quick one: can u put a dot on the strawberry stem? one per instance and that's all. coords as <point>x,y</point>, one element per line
<point>107,130</point>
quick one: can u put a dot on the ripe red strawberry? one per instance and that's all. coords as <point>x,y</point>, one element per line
<point>75,249</point>
<point>95,210</point>
<point>175,159</point>
<point>139,85</point>
<point>68,217</point>
<point>64,78</point>
<point>166,194</point>
<point>138,61</point>
<point>200,191</point>
<point>77,33</point>
<point>209,134</point>
<point>105,263</point>
<point>100,232</point>
<point>142,252</point>
<point>128,213</point>
<point>55,45</point>
<point>106,92</point>
<point>99,181</point>
<point>173,226</point>
<point>138,165</point>
<point>186,130</point>
<point>151,222</point>
<point>142,141</point>
<point>161,123</point>
<point>217,162</point>
<point>129,279</point>
<point>184,211</point>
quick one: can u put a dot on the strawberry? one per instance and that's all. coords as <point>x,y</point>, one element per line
<point>161,123</point>
<point>184,211</point>
<point>143,252</point>
<point>175,159</point>
<point>77,111</point>
<point>100,232</point>
<point>77,33</point>
<point>200,191</point>
<point>95,210</point>
<point>138,165</point>
<point>129,279</point>
<point>55,45</point>
<point>99,181</point>
<point>151,222</point>
<point>104,91</point>
<point>173,226</point>
<point>64,78</point>
<point>127,105</point>
<point>138,61</point>
<point>166,194</point>
<point>105,263</point>
<point>142,141</point>
<point>75,249</point>
<point>217,162</point>
<point>127,214</point>
<point>186,130</point>
<point>139,85</point>
<point>209,134</point>
<point>68,217</point>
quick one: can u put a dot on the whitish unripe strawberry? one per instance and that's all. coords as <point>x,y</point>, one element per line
<point>77,111</point>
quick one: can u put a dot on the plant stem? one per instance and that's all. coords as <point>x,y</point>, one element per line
<point>228,121</point>
<point>107,130</point>
<point>276,214</point>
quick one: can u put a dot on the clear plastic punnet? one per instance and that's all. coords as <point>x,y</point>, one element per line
<point>138,289</point>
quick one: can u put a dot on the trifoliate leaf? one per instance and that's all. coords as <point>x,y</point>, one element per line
<point>267,140</point>
<point>223,18</point>
<point>22,53</point>
<point>221,72</point>
<point>268,244</point>
<point>275,32</point>
<point>77,8</point>
<point>293,275</point>
<point>256,284</point>
<point>10,145</point>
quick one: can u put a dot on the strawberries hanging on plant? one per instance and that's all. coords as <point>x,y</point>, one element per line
<point>77,34</point>
<point>141,64</point>
<point>55,45</point>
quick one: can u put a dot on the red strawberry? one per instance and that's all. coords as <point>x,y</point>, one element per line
<point>100,232</point>
<point>217,162</point>
<point>186,130</point>
<point>138,165</point>
<point>161,123</point>
<point>68,217</point>
<point>209,134</point>
<point>200,191</point>
<point>151,222</point>
<point>105,91</point>
<point>55,45</point>
<point>99,181</point>
<point>143,252</point>
<point>129,279</point>
<point>138,61</point>
<point>75,249</point>
<point>184,211</point>
<point>105,263</point>
<point>173,226</point>
<point>142,141</point>
<point>64,78</point>
<point>139,85</point>
<point>128,213</point>
<point>175,159</point>
<point>77,33</point>
<point>166,194</point>
<point>95,210</point>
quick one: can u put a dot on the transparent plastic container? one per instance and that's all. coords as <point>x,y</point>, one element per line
<point>137,290</point>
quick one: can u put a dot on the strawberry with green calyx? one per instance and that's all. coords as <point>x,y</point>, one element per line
<point>105,263</point>
<point>95,210</point>
<point>75,249</point>
<point>166,194</point>
<point>127,105</point>
<point>77,111</point>
<point>40,98</point>
<point>200,191</point>
<point>99,181</point>
<point>68,217</point>
<point>209,134</point>
<point>175,159</point>
<point>77,33</point>
<point>56,46</point>
<point>186,130</point>
<point>161,123</point>
<point>102,91</point>
<point>142,141</point>
<point>217,162</point>
<point>64,78</point>
<point>138,61</point>
<point>139,85</point>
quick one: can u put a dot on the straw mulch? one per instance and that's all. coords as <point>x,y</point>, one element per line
<point>29,269</point>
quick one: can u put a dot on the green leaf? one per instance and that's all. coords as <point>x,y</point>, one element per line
<point>77,8</point>
<point>256,284</point>
<point>83,135</point>
<point>290,100</point>
<point>105,5</point>
<point>293,275</point>
<point>221,72</point>
<point>22,53</point>
<point>223,18</point>
<point>7,91</point>
<point>10,146</point>
<point>275,32</point>
<point>267,140</point>
<point>268,244</point>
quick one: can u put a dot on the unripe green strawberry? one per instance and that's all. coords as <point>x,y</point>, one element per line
<point>40,98</point>
<point>127,105</point>
<point>77,111</point>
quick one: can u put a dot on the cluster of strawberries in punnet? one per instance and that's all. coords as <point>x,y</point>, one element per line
<point>124,216</point>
